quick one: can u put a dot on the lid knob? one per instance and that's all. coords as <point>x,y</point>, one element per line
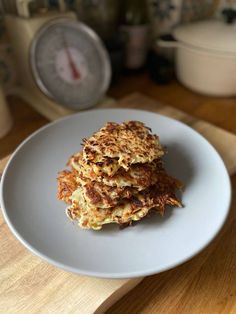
<point>229,15</point>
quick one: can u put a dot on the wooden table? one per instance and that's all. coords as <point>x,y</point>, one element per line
<point>213,284</point>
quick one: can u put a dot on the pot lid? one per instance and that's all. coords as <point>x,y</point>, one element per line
<point>211,35</point>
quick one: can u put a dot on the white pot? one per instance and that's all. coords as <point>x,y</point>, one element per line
<point>205,57</point>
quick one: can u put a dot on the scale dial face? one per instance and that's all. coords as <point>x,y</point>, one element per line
<point>70,64</point>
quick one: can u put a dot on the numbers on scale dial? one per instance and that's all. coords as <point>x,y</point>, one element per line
<point>69,66</point>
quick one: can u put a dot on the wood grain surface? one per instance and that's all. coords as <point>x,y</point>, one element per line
<point>206,284</point>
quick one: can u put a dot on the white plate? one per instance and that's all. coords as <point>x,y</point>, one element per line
<point>38,220</point>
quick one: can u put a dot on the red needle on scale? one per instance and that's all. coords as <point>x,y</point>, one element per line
<point>74,71</point>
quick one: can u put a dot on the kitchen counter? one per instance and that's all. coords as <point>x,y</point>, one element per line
<point>213,287</point>
<point>219,111</point>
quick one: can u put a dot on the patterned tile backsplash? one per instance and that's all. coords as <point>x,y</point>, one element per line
<point>165,14</point>
<point>8,75</point>
<point>193,10</point>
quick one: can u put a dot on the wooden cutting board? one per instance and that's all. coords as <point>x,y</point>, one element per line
<point>28,285</point>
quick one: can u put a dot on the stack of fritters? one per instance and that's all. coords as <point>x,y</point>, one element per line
<point>118,177</point>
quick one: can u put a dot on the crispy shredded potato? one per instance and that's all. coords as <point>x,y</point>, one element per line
<point>121,145</point>
<point>118,177</point>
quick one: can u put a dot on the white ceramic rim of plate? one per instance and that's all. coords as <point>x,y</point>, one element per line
<point>100,274</point>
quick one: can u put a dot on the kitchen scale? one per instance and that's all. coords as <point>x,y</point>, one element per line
<point>62,64</point>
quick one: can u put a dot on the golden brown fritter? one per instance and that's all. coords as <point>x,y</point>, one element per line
<point>139,176</point>
<point>138,206</point>
<point>103,196</point>
<point>118,177</point>
<point>124,144</point>
<point>67,184</point>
